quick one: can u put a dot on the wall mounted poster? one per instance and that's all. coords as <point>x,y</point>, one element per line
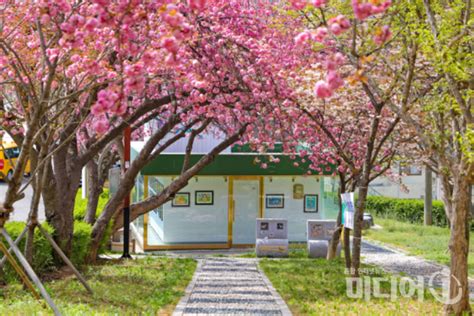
<point>298,191</point>
<point>274,201</point>
<point>311,203</point>
<point>181,199</point>
<point>204,198</point>
<point>348,210</point>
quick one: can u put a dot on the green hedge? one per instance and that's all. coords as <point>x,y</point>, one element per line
<point>80,242</point>
<point>80,205</point>
<point>408,210</point>
<point>42,252</point>
<point>43,257</point>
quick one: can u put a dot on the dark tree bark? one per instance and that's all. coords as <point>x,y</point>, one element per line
<point>97,172</point>
<point>94,190</point>
<point>459,247</point>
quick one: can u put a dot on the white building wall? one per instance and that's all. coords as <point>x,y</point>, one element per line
<point>209,223</point>
<point>196,223</point>
<point>414,184</point>
<point>294,209</point>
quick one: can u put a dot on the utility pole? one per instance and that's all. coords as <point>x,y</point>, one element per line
<point>428,208</point>
<point>127,135</point>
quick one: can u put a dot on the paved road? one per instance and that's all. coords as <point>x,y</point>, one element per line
<point>230,286</point>
<point>22,207</point>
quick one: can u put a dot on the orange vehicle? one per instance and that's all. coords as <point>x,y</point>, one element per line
<point>8,156</point>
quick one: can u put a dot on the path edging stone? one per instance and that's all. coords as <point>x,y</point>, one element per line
<point>279,300</point>
<point>179,309</point>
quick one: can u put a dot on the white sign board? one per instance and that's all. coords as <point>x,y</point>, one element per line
<point>348,210</point>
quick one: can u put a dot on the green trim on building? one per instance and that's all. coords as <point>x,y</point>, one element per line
<point>232,164</point>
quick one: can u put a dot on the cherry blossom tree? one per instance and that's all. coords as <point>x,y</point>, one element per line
<point>427,92</point>
<point>241,94</point>
<point>342,51</point>
<point>87,70</point>
<point>57,58</point>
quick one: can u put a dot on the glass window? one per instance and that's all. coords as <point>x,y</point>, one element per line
<point>12,153</point>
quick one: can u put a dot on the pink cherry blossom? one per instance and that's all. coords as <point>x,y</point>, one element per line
<point>302,38</point>
<point>334,81</point>
<point>298,4</point>
<point>197,4</point>
<point>170,44</point>
<point>318,3</point>
<point>363,10</point>
<point>101,125</point>
<point>339,24</point>
<point>382,35</point>
<point>320,34</point>
<point>322,90</point>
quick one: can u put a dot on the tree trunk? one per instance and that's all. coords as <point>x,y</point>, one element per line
<point>332,249</point>
<point>29,244</point>
<point>347,247</point>
<point>459,248</point>
<point>95,189</point>
<point>59,195</point>
<point>357,236</point>
<point>111,208</point>
<point>34,204</point>
<point>63,221</point>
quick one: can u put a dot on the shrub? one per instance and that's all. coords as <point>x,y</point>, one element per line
<point>42,252</point>
<point>80,205</point>
<point>408,210</point>
<point>43,256</point>
<point>81,241</point>
<point>80,208</point>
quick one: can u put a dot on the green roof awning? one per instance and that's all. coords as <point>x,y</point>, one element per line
<point>233,164</point>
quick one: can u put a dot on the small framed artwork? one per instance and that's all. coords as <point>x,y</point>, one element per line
<point>298,191</point>
<point>311,203</point>
<point>275,201</point>
<point>204,197</point>
<point>181,199</point>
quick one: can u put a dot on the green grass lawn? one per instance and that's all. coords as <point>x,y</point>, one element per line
<point>318,287</point>
<point>296,250</point>
<point>137,287</point>
<point>429,242</point>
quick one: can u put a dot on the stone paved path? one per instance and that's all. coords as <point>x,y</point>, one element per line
<point>230,286</point>
<point>395,261</point>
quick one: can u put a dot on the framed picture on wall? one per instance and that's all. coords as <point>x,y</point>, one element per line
<point>298,191</point>
<point>311,203</point>
<point>181,199</point>
<point>204,197</point>
<point>275,201</point>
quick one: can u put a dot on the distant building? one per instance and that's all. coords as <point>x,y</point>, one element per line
<point>412,187</point>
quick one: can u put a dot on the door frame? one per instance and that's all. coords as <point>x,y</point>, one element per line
<point>231,206</point>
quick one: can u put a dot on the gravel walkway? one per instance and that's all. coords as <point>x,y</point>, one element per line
<point>395,261</point>
<point>230,286</point>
